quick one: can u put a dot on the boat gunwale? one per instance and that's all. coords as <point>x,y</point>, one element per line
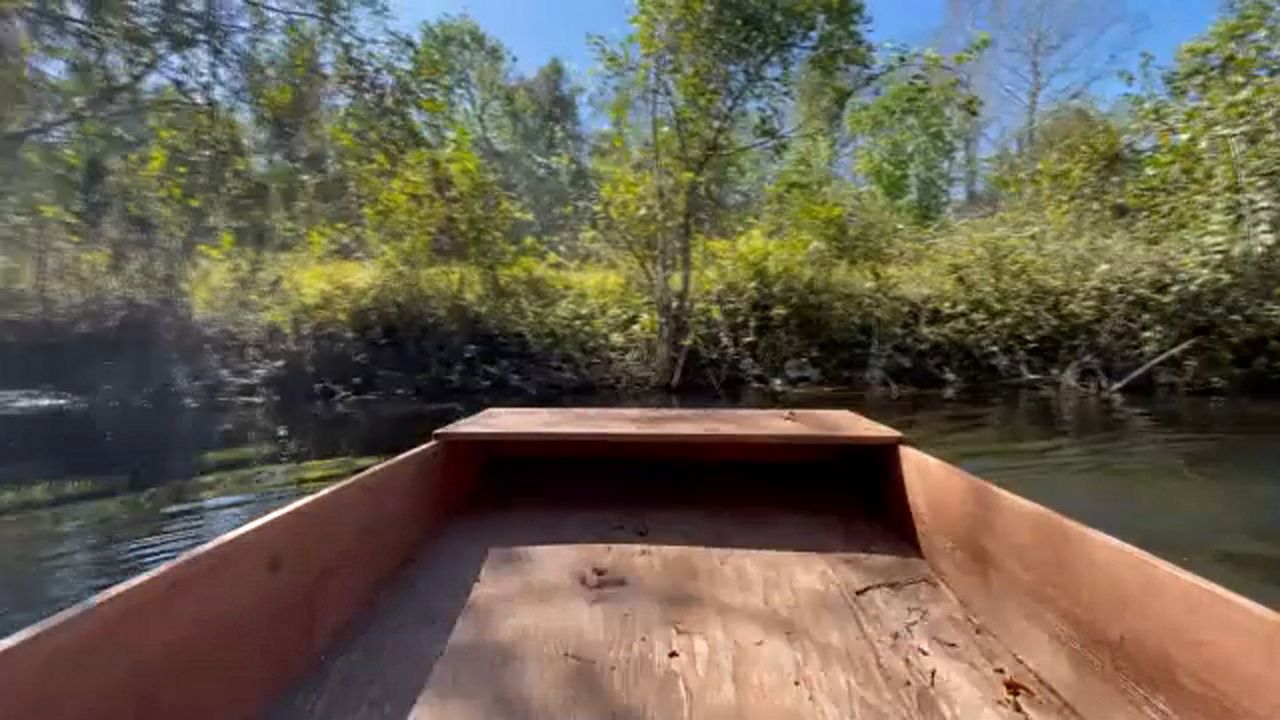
<point>725,426</point>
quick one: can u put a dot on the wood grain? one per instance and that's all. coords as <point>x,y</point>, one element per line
<point>556,613</point>
<point>1117,630</point>
<point>644,425</point>
<point>221,631</point>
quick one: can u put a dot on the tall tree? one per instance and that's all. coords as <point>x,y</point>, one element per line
<point>546,163</point>
<point>961,26</point>
<point>1045,52</point>
<point>85,61</point>
<point>1055,51</point>
<point>528,130</point>
<point>697,83</point>
<point>123,141</point>
<point>462,76</point>
<point>911,132</point>
<point>1213,150</point>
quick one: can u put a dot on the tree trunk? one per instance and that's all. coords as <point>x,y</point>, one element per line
<point>972,164</point>
<point>667,332</point>
<point>1035,88</point>
<point>41,279</point>
<point>682,325</point>
<point>663,366</point>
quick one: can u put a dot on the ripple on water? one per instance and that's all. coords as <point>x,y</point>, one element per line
<point>52,558</point>
<point>21,402</point>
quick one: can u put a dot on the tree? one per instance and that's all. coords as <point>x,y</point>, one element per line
<point>290,91</point>
<point>526,129</point>
<point>805,197</point>
<point>547,164</point>
<point>1045,53</point>
<point>127,138</point>
<point>88,61</point>
<point>1077,172</point>
<point>462,77</point>
<point>961,26</point>
<point>1055,51</point>
<point>697,83</point>
<point>1212,153</point>
<point>911,132</point>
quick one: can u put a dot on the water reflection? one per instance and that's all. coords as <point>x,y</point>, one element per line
<point>55,557</point>
<point>1192,479</point>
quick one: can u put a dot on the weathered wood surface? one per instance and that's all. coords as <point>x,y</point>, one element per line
<point>671,426</point>
<point>1118,631</point>
<point>220,631</point>
<point>530,612</point>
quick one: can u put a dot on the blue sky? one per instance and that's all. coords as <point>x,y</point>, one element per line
<point>535,30</point>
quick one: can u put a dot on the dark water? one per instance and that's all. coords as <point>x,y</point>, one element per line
<point>92,495</point>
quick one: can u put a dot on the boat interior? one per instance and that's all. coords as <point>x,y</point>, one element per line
<point>625,588</point>
<point>656,564</point>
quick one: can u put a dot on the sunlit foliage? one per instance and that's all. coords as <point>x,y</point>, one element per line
<point>758,193</point>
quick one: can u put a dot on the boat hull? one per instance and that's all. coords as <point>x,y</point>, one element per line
<point>634,543</point>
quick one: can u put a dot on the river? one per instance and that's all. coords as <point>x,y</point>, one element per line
<point>91,495</point>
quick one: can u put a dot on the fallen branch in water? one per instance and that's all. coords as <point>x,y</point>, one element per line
<point>1117,387</point>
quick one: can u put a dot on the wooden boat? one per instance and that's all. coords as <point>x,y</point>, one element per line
<point>656,564</point>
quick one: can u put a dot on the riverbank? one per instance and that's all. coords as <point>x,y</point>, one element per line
<point>978,306</point>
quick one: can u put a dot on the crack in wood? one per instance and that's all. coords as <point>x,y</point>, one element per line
<point>894,584</point>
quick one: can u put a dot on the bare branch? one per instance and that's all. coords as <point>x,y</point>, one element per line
<point>1014,94</point>
<point>288,12</point>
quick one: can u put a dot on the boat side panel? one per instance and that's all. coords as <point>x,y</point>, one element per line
<point>1116,630</point>
<point>221,631</point>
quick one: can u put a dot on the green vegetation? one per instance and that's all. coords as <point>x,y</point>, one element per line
<point>212,461</point>
<point>755,192</point>
<point>309,474</point>
<point>266,477</point>
<point>59,492</point>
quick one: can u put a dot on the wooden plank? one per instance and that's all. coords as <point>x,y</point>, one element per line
<point>656,425</point>
<point>1118,631</point>
<point>533,612</point>
<point>221,631</point>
